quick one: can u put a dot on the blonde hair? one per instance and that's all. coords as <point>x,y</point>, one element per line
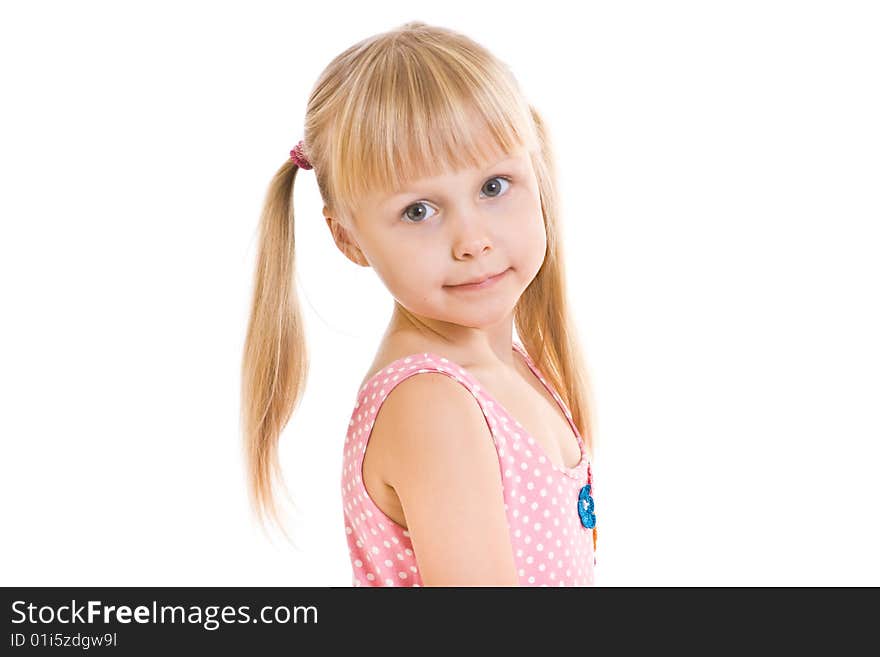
<point>409,103</point>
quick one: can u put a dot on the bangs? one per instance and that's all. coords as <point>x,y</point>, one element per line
<point>420,114</point>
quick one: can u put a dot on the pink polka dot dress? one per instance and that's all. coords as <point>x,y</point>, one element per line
<point>550,510</point>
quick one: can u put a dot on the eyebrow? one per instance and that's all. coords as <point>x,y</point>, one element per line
<point>413,188</point>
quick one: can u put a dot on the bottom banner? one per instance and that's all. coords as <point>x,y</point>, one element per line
<point>240,620</point>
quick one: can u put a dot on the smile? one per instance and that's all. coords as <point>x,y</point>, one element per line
<point>489,282</point>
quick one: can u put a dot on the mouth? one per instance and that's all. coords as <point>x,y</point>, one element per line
<point>481,284</point>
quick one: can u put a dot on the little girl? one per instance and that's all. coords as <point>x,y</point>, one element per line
<point>468,452</point>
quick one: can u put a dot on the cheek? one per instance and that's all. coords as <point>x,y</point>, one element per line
<point>532,241</point>
<point>409,273</point>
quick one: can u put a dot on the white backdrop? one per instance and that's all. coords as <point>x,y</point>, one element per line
<point>719,174</point>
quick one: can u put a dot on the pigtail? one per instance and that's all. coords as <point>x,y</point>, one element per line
<point>543,316</point>
<point>275,362</point>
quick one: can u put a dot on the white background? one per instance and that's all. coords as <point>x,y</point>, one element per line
<point>719,167</point>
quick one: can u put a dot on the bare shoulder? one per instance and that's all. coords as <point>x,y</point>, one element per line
<point>431,415</point>
<point>437,453</point>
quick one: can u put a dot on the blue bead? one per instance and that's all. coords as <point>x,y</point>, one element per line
<point>586,507</point>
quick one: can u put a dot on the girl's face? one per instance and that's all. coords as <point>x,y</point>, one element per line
<point>444,231</point>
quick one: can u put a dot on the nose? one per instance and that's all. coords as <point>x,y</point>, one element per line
<point>471,239</point>
<point>475,247</point>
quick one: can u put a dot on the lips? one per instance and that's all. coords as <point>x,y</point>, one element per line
<point>481,279</point>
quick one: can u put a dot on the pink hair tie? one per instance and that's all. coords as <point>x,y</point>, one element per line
<point>299,157</point>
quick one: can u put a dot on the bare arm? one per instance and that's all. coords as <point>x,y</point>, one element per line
<point>440,459</point>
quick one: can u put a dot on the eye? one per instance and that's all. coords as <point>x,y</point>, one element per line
<point>418,216</point>
<point>411,217</point>
<point>497,193</point>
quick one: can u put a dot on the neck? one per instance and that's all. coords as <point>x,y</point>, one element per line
<point>473,348</point>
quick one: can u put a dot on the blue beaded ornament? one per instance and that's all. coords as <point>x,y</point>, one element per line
<point>585,508</point>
